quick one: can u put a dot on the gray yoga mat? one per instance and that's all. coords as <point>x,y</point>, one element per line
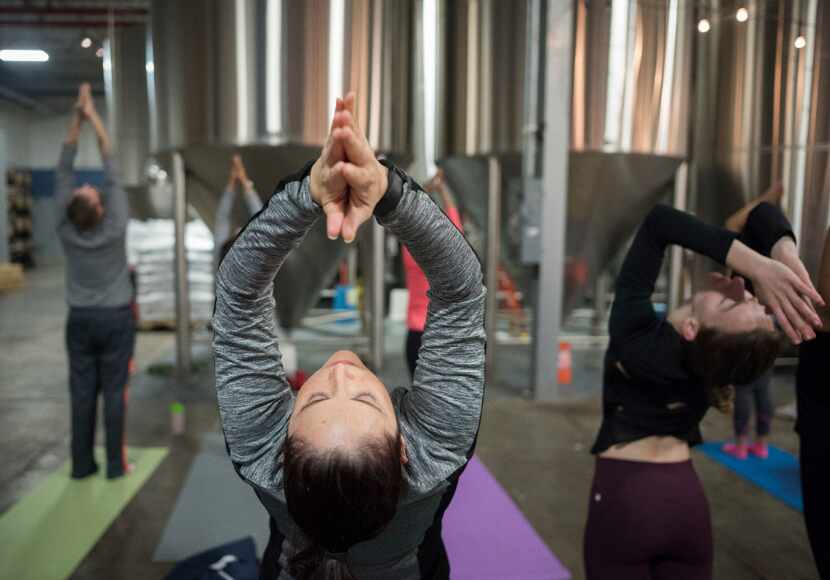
<point>214,507</point>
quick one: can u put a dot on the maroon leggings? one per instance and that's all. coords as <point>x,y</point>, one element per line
<point>647,521</point>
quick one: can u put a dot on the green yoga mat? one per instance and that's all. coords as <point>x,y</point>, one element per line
<point>45,535</point>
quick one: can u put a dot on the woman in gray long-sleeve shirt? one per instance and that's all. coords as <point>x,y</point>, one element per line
<point>356,479</point>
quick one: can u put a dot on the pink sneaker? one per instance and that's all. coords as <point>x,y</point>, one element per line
<point>759,450</point>
<point>736,450</point>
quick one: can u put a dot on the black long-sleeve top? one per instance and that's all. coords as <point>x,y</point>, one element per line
<point>646,388</point>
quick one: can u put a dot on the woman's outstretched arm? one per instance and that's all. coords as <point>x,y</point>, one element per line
<point>632,312</point>
<point>443,408</point>
<point>255,399</point>
<point>737,221</point>
<point>439,415</point>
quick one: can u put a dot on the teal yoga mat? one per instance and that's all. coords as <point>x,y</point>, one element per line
<point>778,474</point>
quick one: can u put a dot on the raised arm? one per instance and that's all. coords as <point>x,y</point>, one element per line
<point>737,221</point>
<point>91,114</point>
<point>113,195</point>
<point>224,212</point>
<point>438,184</point>
<point>255,399</point>
<point>766,253</point>
<point>632,311</point>
<point>64,172</point>
<point>444,404</point>
<point>442,410</point>
<point>252,199</point>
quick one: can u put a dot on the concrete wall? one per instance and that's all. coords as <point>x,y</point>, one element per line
<point>33,141</point>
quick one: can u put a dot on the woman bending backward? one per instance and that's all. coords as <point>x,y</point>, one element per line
<point>355,479</point>
<point>661,376</point>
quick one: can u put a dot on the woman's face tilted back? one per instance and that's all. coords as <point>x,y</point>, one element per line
<point>342,405</point>
<point>727,306</point>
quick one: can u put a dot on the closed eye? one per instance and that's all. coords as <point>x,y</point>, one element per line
<point>314,400</point>
<point>367,399</point>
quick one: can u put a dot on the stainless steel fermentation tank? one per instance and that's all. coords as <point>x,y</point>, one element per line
<point>630,110</point>
<point>260,77</point>
<point>128,116</point>
<point>763,112</point>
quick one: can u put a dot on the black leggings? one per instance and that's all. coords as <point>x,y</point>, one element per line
<point>413,345</point>
<point>814,450</point>
<point>756,392</point>
<point>814,455</point>
<point>647,521</point>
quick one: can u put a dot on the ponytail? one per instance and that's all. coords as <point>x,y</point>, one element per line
<point>315,563</point>
<point>722,359</point>
<point>338,498</point>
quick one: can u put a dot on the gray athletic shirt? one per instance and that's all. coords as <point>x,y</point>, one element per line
<point>96,260</point>
<point>438,415</point>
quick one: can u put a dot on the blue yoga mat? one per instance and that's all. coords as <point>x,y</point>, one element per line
<point>778,474</point>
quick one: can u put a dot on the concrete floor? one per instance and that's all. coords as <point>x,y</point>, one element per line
<point>538,452</point>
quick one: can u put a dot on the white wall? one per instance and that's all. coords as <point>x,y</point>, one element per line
<point>33,141</point>
<point>15,125</point>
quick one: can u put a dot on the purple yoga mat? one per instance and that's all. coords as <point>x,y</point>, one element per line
<point>488,538</point>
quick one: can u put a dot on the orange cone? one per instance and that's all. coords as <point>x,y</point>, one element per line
<point>565,364</point>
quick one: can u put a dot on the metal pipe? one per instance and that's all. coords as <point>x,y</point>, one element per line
<point>180,264</point>
<point>80,24</point>
<point>533,84</point>
<point>492,260</point>
<point>601,285</point>
<point>80,11</point>
<point>24,101</point>
<point>558,63</point>
<point>376,305</point>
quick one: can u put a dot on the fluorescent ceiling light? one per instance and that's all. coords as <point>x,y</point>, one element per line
<point>10,55</point>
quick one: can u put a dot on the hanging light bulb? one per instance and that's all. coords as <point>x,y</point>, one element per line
<point>800,42</point>
<point>742,15</point>
<point>86,42</point>
<point>703,25</point>
<point>99,53</point>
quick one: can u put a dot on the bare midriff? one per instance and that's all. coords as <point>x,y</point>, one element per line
<point>652,449</point>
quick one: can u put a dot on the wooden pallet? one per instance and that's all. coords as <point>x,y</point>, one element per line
<point>11,277</point>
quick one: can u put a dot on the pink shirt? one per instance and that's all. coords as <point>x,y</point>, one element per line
<point>416,282</point>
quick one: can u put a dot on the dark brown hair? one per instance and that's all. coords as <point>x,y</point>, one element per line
<point>82,213</point>
<point>339,498</point>
<point>726,359</point>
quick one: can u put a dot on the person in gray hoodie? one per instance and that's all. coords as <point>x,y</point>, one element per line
<point>100,329</point>
<point>355,478</point>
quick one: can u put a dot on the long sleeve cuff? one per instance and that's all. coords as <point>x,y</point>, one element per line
<point>66,161</point>
<point>765,225</point>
